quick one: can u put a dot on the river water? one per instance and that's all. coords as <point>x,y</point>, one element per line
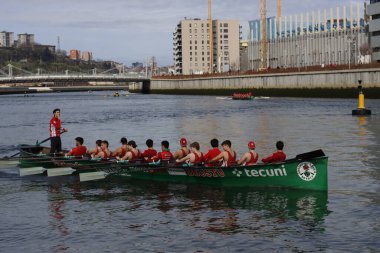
<point>63,215</point>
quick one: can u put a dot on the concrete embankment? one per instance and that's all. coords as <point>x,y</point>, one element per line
<point>305,84</point>
<point>29,90</point>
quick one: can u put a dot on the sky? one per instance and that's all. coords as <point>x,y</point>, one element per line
<point>131,30</point>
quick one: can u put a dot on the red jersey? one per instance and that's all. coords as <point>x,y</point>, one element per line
<point>231,160</point>
<point>277,157</point>
<point>211,154</point>
<point>165,156</point>
<point>78,151</point>
<point>123,151</point>
<point>106,155</point>
<point>55,127</point>
<point>135,156</point>
<point>254,159</point>
<point>149,154</point>
<point>198,158</point>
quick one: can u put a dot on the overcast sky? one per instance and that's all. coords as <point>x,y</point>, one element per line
<point>130,30</point>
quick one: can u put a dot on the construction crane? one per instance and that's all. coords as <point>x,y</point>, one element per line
<point>263,34</point>
<point>211,36</point>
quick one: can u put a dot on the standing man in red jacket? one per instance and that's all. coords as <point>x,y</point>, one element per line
<point>55,132</point>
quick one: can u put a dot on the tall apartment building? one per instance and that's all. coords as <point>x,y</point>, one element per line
<point>373,10</point>
<point>86,56</point>
<point>6,39</point>
<point>25,39</point>
<point>74,55</point>
<point>192,53</point>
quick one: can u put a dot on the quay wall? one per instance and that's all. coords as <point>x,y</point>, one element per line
<point>342,83</point>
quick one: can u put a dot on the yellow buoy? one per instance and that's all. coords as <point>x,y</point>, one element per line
<point>361,111</point>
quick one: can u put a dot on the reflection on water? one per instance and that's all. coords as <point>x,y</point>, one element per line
<point>217,210</point>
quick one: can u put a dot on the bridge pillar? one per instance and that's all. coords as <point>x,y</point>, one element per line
<point>146,87</point>
<point>10,70</point>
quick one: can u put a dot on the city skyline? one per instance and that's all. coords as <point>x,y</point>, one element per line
<point>124,30</point>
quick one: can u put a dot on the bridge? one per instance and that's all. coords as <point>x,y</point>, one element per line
<point>8,76</point>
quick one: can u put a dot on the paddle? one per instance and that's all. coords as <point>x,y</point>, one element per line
<point>311,155</point>
<point>31,171</point>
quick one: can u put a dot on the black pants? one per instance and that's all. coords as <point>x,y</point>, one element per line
<point>55,145</point>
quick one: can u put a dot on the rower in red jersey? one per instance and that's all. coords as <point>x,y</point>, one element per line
<point>97,148</point>
<point>79,150</point>
<point>212,153</point>
<point>133,154</point>
<point>122,151</point>
<point>105,153</point>
<point>228,155</point>
<point>278,156</point>
<point>165,156</point>
<point>250,158</point>
<point>184,151</point>
<point>195,157</point>
<point>150,152</point>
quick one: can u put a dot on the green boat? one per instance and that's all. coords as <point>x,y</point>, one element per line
<point>306,171</point>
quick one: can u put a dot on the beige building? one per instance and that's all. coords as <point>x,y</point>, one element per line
<point>25,39</point>
<point>192,54</point>
<point>86,56</point>
<point>6,39</point>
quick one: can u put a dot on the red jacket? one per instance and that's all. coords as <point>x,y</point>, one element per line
<point>55,127</point>
<point>211,154</point>
<point>149,154</point>
<point>277,157</point>
<point>165,156</point>
<point>78,151</point>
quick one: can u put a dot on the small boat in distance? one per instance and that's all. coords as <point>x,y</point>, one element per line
<point>242,96</point>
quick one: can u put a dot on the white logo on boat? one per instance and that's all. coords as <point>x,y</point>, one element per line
<point>307,171</point>
<point>237,172</point>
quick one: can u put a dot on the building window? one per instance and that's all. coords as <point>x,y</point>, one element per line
<point>226,58</point>
<point>221,30</point>
<point>221,25</point>
<point>196,48</point>
<point>203,53</point>
<point>225,24</point>
<point>196,53</point>
<point>208,37</point>
<point>203,47</point>
<point>196,42</point>
<point>221,41</point>
<point>221,36</point>
<point>191,42</point>
<point>203,59</point>
<point>189,25</point>
<point>191,36</point>
<point>195,25</point>
<point>191,53</point>
<point>208,53</point>
<point>196,37</point>
<point>191,48</point>
<point>191,58</point>
<point>203,30</point>
<point>203,42</point>
<point>203,37</point>
<point>225,47</point>
<point>226,30</point>
<point>226,36</point>
<point>196,30</point>
<point>225,41</point>
<point>190,31</point>
<point>196,64</point>
<point>202,25</point>
<point>196,59</point>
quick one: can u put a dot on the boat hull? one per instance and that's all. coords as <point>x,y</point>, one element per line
<point>296,174</point>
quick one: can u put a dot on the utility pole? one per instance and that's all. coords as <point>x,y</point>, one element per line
<point>211,44</point>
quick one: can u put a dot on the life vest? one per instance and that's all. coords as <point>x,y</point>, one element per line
<point>198,158</point>
<point>231,160</point>
<point>253,160</point>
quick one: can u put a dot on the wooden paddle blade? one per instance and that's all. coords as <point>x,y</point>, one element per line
<point>92,176</point>
<point>31,171</point>
<point>5,163</point>
<point>57,172</point>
